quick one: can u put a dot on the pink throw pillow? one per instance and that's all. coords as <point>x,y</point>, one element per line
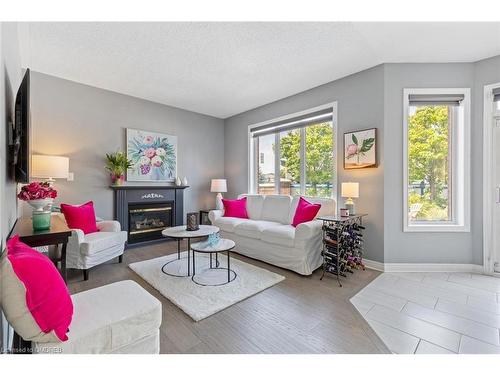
<point>305,211</point>
<point>35,298</point>
<point>80,217</point>
<point>235,208</point>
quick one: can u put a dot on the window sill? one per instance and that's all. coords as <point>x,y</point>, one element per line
<point>436,228</point>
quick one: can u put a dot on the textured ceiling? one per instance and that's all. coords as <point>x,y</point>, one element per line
<point>222,69</point>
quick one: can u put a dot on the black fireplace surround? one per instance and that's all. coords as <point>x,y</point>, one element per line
<point>144,211</point>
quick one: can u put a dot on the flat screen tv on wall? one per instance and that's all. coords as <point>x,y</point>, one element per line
<point>19,144</point>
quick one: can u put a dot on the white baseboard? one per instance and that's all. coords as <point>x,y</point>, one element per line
<point>423,267</point>
<point>374,265</point>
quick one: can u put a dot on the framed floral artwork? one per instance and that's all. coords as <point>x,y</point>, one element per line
<point>153,156</point>
<point>360,149</point>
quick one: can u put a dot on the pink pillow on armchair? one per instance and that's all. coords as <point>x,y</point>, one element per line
<point>305,212</point>
<point>80,217</point>
<point>34,297</point>
<point>235,208</point>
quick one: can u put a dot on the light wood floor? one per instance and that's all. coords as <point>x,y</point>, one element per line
<point>299,315</point>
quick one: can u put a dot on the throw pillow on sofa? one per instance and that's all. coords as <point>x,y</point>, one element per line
<point>34,297</point>
<point>305,212</point>
<point>235,208</point>
<point>80,217</point>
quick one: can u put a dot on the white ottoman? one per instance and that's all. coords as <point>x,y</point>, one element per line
<point>117,318</point>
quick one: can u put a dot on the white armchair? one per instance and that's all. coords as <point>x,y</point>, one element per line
<point>85,251</point>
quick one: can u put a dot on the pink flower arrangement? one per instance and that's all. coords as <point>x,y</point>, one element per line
<point>37,190</point>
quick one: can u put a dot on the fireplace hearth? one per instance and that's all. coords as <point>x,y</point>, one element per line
<point>144,211</point>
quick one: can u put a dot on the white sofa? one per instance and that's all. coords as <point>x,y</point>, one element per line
<point>117,318</point>
<point>269,236</point>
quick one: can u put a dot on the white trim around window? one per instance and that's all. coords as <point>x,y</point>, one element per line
<point>252,148</point>
<point>491,120</point>
<point>460,173</point>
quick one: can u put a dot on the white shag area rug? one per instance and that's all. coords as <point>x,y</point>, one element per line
<point>199,301</point>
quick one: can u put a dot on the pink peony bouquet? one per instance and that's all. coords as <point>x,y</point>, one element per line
<point>37,190</point>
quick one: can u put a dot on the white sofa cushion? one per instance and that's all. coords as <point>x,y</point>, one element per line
<point>108,318</point>
<point>99,241</point>
<point>254,205</point>
<point>276,208</point>
<point>328,206</point>
<point>227,224</point>
<point>283,235</point>
<point>253,228</point>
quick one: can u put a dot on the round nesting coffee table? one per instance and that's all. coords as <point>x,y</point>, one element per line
<point>175,267</point>
<point>224,245</point>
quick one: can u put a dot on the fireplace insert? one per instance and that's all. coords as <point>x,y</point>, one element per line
<point>147,220</point>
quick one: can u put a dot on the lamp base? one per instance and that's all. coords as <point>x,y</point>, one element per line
<point>218,202</point>
<point>349,205</point>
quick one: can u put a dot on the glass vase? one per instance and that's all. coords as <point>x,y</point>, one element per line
<point>41,220</point>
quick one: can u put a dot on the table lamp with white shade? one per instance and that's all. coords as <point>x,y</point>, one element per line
<point>49,167</point>
<point>219,185</point>
<point>350,190</point>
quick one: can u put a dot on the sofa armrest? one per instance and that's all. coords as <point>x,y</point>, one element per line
<point>77,237</point>
<point>108,226</point>
<point>214,215</point>
<point>309,229</point>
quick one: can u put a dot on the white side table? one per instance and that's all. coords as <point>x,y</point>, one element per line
<point>223,246</point>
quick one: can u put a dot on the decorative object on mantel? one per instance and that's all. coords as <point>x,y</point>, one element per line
<point>117,164</point>
<point>350,190</point>
<point>49,167</point>
<point>218,185</point>
<point>185,181</point>
<point>178,181</point>
<point>192,221</point>
<point>40,196</point>
<point>360,149</point>
<point>153,155</point>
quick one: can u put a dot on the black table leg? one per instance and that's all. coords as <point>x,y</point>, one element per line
<point>63,262</point>
<point>210,260</point>
<point>189,256</point>
<point>178,248</point>
<point>194,265</point>
<point>228,269</point>
<point>216,260</point>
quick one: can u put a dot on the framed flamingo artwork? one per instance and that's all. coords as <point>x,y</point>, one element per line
<point>360,149</point>
<point>153,156</point>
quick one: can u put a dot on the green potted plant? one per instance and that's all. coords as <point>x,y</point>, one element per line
<point>117,164</point>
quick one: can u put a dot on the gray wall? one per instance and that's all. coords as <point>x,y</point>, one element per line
<point>360,105</point>
<point>419,247</point>
<point>84,123</point>
<point>10,78</point>
<point>374,98</point>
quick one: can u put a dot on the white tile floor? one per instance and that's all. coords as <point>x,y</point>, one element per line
<point>433,313</point>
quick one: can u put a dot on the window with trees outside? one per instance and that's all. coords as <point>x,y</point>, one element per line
<point>436,157</point>
<point>300,151</point>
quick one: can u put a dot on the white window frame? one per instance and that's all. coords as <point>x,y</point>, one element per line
<point>491,119</point>
<point>460,166</point>
<point>252,187</point>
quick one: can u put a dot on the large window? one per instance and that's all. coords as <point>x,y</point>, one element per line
<point>300,150</point>
<point>436,157</point>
